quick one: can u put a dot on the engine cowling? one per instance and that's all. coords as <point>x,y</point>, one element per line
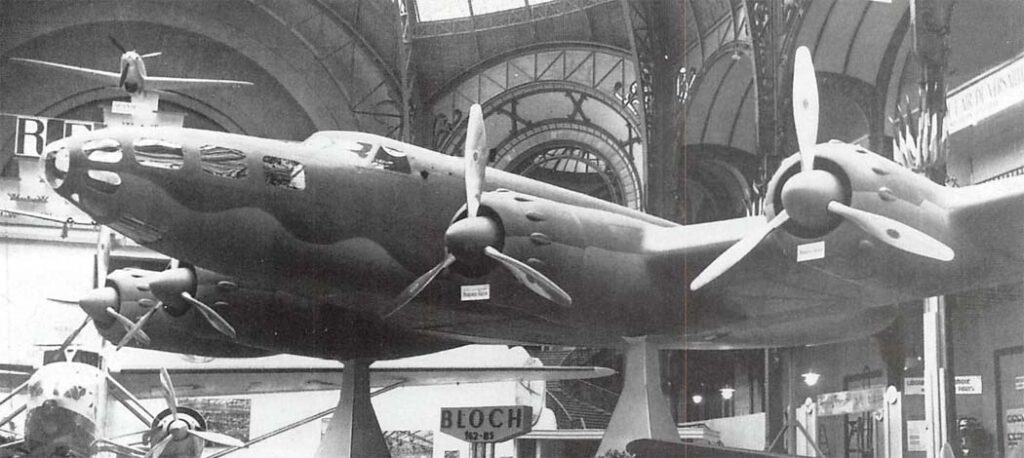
<point>182,444</point>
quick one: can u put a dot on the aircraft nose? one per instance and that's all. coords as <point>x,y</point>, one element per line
<point>56,163</point>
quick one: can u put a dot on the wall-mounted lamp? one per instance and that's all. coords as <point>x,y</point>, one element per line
<point>727,392</point>
<point>811,378</point>
<point>697,398</point>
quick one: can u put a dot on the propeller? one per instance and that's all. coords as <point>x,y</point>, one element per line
<point>178,428</point>
<point>218,322</point>
<point>472,239</point>
<point>812,198</point>
<point>74,335</point>
<point>117,44</point>
<point>132,329</point>
<point>173,285</point>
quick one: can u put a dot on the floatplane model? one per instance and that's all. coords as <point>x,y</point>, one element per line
<point>356,247</point>
<point>70,400</point>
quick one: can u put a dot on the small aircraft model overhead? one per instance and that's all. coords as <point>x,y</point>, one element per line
<point>132,76</point>
<point>331,247</point>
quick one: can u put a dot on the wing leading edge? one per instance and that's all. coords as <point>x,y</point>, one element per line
<point>145,383</point>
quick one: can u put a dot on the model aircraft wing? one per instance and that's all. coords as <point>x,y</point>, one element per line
<point>139,372</point>
<point>176,84</point>
<point>100,76</point>
<point>12,375</point>
<point>645,448</point>
<point>12,449</point>
<point>699,240</point>
<point>145,383</point>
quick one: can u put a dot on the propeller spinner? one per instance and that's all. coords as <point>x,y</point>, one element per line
<point>174,284</point>
<point>472,239</point>
<point>812,197</point>
<point>178,428</point>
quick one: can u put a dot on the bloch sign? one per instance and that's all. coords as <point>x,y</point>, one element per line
<point>486,424</point>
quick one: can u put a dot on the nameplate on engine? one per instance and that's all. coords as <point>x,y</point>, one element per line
<point>476,292</point>
<point>810,251</point>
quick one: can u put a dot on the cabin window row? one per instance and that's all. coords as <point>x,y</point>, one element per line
<point>214,160</point>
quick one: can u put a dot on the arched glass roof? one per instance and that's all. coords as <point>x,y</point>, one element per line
<point>439,10</point>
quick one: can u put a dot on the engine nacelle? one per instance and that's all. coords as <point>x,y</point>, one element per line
<point>266,321</point>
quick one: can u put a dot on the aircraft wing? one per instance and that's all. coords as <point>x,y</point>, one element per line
<point>12,449</point>
<point>12,375</point>
<point>645,448</point>
<point>287,373</point>
<point>175,84</point>
<point>145,383</point>
<point>100,76</point>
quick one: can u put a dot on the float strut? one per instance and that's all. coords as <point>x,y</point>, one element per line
<point>354,431</point>
<point>642,410</point>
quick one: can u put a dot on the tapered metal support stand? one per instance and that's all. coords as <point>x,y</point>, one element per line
<point>354,431</point>
<point>642,410</point>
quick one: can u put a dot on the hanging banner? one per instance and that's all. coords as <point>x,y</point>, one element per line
<point>33,133</point>
<point>985,95</point>
<point>850,402</point>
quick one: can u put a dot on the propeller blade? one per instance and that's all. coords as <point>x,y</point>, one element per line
<point>62,300</point>
<point>124,75</point>
<point>218,322</point>
<point>152,54</point>
<point>158,449</point>
<point>74,335</point>
<point>476,158</point>
<point>218,438</point>
<point>128,325</point>
<point>894,233</point>
<point>417,286</point>
<point>136,330</point>
<point>169,394</point>
<point>530,278</point>
<point>117,44</point>
<point>735,253</point>
<point>805,106</point>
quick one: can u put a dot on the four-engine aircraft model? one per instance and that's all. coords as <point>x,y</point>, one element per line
<point>320,248</point>
<point>132,74</point>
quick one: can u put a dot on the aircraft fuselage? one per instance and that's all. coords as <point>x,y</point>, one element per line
<point>348,219</point>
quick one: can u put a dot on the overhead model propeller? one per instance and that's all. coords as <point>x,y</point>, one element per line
<point>812,197</point>
<point>127,57</point>
<point>473,239</point>
<point>178,429</point>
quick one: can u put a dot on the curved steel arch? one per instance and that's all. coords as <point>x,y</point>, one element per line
<point>735,170</point>
<point>596,141</point>
<point>457,135</point>
<point>603,69</point>
<point>863,94</point>
<point>480,67</point>
<point>703,85</point>
<point>360,100</point>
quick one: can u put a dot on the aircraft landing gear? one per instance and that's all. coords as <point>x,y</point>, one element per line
<point>642,410</point>
<point>354,431</point>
